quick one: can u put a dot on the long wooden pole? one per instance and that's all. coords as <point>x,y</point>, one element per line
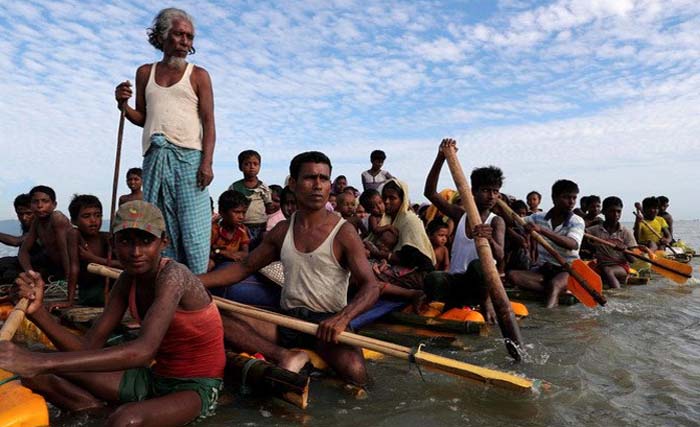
<point>432,361</point>
<point>14,320</point>
<point>599,298</point>
<point>501,304</point>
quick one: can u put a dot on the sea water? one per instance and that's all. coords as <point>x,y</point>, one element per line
<point>633,362</point>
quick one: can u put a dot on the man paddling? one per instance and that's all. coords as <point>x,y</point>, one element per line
<point>175,108</point>
<point>180,329</point>
<point>319,250</point>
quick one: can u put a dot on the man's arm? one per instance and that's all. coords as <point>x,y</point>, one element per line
<point>27,244</point>
<point>495,236</point>
<point>123,92</point>
<point>206,114</point>
<point>352,255</point>
<point>67,242</point>
<point>430,191</point>
<point>268,251</point>
<point>10,240</point>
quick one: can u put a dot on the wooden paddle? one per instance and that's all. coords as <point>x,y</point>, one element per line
<point>640,216</point>
<point>18,405</point>
<point>431,361</point>
<point>501,304</point>
<point>584,283</point>
<point>676,271</point>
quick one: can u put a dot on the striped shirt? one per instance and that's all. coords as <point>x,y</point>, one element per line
<point>573,227</point>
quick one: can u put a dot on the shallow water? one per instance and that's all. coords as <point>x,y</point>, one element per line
<point>631,363</point>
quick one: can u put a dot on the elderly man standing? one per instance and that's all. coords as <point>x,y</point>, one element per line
<point>175,107</point>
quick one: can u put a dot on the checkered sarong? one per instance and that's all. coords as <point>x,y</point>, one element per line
<point>170,182</point>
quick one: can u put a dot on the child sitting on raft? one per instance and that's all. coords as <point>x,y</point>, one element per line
<point>517,241</point>
<point>180,328</point>
<point>92,246</point>
<point>255,191</point>
<point>229,237</point>
<point>564,229</point>
<point>51,228</point>
<point>438,232</point>
<point>658,225</point>
<point>612,265</point>
<point>273,209</point>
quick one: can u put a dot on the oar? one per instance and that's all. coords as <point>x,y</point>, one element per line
<point>584,283</point>
<point>431,361</point>
<point>18,405</point>
<point>676,271</point>
<point>639,215</point>
<point>501,304</point>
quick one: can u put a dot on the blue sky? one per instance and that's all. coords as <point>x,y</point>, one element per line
<point>606,93</point>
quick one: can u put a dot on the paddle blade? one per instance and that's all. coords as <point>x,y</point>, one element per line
<point>673,270</point>
<point>591,277</point>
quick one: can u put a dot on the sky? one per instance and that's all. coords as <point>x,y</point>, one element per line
<point>606,93</point>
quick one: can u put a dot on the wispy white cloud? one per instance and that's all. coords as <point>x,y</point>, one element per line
<point>603,91</point>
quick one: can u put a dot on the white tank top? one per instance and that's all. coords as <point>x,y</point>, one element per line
<point>463,248</point>
<point>172,111</point>
<point>313,280</point>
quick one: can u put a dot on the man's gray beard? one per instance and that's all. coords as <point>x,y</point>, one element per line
<point>176,62</point>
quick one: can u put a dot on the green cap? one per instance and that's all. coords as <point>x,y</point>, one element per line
<point>140,215</point>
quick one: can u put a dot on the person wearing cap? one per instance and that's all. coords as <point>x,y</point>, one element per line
<point>181,331</point>
<point>175,108</point>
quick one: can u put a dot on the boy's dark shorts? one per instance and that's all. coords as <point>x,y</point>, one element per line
<point>139,384</point>
<point>289,338</point>
<point>549,271</point>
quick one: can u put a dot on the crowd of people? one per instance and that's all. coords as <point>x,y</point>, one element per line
<point>341,249</point>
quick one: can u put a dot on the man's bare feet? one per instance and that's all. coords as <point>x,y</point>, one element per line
<point>294,360</point>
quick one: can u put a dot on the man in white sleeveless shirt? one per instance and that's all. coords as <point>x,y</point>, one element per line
<point>464,284</point>
<point>319,250</point>
<point>175,108</point>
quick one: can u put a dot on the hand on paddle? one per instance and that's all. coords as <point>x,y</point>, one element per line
<point>18,360</point>
<point>30,285</point>
<point>329,330</point>
<point>445,144</point>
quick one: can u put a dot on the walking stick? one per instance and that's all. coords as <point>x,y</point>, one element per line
<point>115,184</point>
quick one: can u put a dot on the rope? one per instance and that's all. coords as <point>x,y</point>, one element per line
<point>9,379</point>
<point>412,359</point>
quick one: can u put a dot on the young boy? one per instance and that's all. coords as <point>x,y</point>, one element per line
<point>257,193</point>
<point>133,181</point>
<point>663,213</point>
<point>613,265</point>
<point>464,284</point>
<point>288,202</point>
<point>374,205</point>
<point>374,177</point>
<point>581,211</point>
<point>92,246</point>
<point>9,266</point>
<point>180,329</point>
<point>273,210</point>
<point>533,202</point>
<point>51,228</point>
<point>650,210</point>
<point>438,232</point>
<point>564,230</point>
<point>517,242</point>
<point>229,237</point>
<point>345,207</point>
<point>592,216</point>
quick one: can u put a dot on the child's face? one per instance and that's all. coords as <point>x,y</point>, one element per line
<point>289,206</point>
<point>331,200</point>
<point>360,211</point>
<point>522,212</point>
<point>89,221</point>
<point>234,216</point>
<point>392,202</point>
<point>340,185</point>
<point>274,206</point>
<point>387,241</point>
<point>42,205</point>
<point>533,201</point>
<point>651,212</point>
<point>565,201</point>
<point>25,216</point>
<point>663,207</point>
<point>250,167</point>
<point>439,237</point>
<point>377,206</point>
<point>485,197</point>
<point>377,163</point>
<point>346,207</point>
<point>613,214</point>
<point>134,182</point>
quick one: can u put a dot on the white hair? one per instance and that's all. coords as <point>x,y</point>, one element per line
<point>163,23</point>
